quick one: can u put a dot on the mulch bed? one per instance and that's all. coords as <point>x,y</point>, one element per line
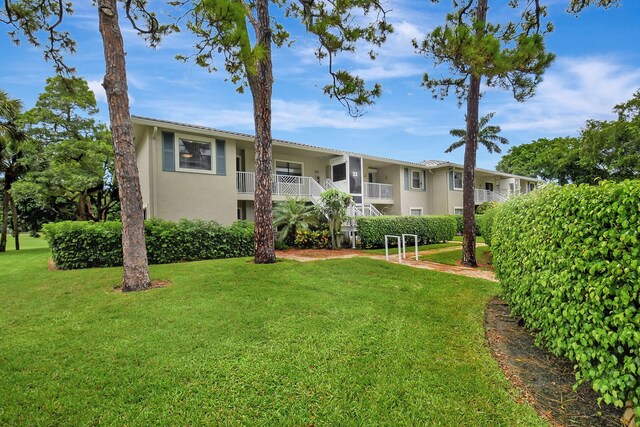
<point>545,381</point>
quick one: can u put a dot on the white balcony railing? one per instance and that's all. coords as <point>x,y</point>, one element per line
<point>482,196</point>
<point>281,185</point>
<point>373,190</point>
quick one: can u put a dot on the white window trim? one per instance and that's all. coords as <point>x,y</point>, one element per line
<point>452,176</point>
<point>196,138</point>
<point>458,207</point>
<point>493,185</point>
<point>288,161</point>
<point>411,187</point>
<point>420,209</point>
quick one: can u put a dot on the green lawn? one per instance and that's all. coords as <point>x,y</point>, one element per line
<point>479,239</point>
<point>333,343</point>
<point>452,257</point>
<point>411,248</point>
<point>26,242</point>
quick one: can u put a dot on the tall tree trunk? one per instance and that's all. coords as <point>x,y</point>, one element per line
<point>261,84</point>
<point>134,251</point>
<point>5,217</point>
<point>471,147</point>
<point>16,229</point>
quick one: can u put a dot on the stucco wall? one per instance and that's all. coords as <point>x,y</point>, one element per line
<point>183,194</point>
<point>412,198</point>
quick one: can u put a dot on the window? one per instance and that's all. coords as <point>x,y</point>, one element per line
<point>339,172</point>
<point>288,168</point>
<point>457,211</point>
<point>532,186</point>
<point>194,155</point>
<point>488,186</point>
<point>415,211</point>
<point>457,180</point>
<point>416,180</point>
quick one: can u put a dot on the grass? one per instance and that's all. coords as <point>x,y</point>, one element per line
<point>339,342</point>
<point>452,257</point>
<point>26,242</point>
<point>479,239</point>
<point>411,248</point>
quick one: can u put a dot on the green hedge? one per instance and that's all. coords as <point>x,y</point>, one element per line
<point>459,223</point>
<point>568,259</point>
<point>430,229</point>
<point>76,244</point>
<point>484,224</point>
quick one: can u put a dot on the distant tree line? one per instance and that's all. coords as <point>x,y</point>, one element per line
<point>56,160</point>
<point>604,150</point>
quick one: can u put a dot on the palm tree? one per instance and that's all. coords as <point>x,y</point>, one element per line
<point>292,215</point>
<point>13,142</point>
<point>487,136</point>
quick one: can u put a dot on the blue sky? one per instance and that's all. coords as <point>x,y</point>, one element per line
<point>597,66</point>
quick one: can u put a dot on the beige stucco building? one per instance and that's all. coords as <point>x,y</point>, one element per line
<point>189,171</point>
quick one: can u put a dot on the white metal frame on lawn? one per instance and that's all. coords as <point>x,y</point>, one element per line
<point>386,247</point>
<point>404,244</point>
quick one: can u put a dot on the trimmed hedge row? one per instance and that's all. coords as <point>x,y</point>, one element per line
<point>484,224</point>
<point>430,229</point>
<point>76,244</point>
<point>568,259</point>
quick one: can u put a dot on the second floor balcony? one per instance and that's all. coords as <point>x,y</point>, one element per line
<point>306,186</point>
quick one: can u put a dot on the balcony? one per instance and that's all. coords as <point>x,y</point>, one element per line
<point>281,185</point>
<point>372,190</point>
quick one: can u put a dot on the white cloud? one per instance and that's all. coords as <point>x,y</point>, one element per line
<point>286,116</point>
<point>380,71</point>
<point>573,91</point>
<point>101,96</point>
<point>98,90</point>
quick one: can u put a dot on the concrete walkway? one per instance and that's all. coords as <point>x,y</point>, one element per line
<point>307,255</point>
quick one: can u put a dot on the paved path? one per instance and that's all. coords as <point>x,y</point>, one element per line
<point>317,255</point>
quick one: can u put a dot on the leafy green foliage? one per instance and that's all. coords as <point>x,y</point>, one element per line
<point>488,136</point>
<point>231,29</point>
<point>293,215</point>
<point>76,244</point>
<point>568,259</point>
<point>430,229</point>
<point>485,206</point>
<point>484,224</point>
<point>459,223</point>
<point>63,111</point>
<point>309,239</point>
<point>604,150</point>
<point>40,24</point>
<point>14,149</point>
<point>334,204</point>
<point>75,160</point>
<point>510,56</point>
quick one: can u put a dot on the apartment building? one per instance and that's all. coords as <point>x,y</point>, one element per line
<point>189,171</point>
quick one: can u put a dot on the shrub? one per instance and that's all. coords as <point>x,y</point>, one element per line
<point>486,206</point>
<point>568,259</point>
<point>76,244</point>
<point>430,229</point>
<point>484,224</point>
<point>308,239</point>
<point>459,223</point>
